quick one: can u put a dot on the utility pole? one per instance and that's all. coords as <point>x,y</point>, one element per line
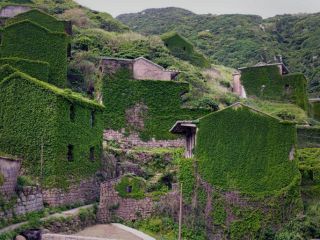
<point>180,213</point>
<point>41,159</point>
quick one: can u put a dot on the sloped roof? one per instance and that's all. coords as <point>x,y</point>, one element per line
<point>263,64</point>
<point>240,104</point>
<point>65,93</point>
<point>181,126</point>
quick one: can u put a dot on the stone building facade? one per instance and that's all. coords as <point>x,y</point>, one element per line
<point>124,208</point>
<point>133,140</point>
<point>141,68</point>
<point>9,172</point>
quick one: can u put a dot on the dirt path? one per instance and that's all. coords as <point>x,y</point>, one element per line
<point>107,231</point>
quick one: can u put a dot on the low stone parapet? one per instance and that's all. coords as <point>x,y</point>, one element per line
<point>68,237</point>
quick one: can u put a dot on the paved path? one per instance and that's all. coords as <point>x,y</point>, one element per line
<point>68,213</point>
<point>113,231</point>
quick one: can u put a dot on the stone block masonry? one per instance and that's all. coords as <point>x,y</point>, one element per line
<point>28,199</point>
<point>85,191</point>
<point>124,208</point>
<point>9,170</point>
<point>133,140</point>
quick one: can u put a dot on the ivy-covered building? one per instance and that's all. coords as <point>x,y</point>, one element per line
<point>147,107</point>
<point>183,49</point>
<point>244,167</point>
<point>37,39</point>
<point>271,82</point>
<point>57,133</point>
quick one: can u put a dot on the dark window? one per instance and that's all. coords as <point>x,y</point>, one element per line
<point>166,44</point>
<point>129,189</point>
<point>72,113</point>
<point>184,48</point>
<point>92,119</point>
<point>69,51</point>
<point>70,153</point>
<point>91,154</point>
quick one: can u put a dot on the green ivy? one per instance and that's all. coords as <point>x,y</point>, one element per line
<point>1,179</point>
<point>36,69</point>
<point>219,213</point>
<point>186,176</point>
<point>28,40</point>
<point>41,18</point>
<point>246,228</point>
<point>35,114</point>
<point>161,98</point>
<point>315,110</point>
<point>267,83</point>
<point>136,184</point>
<point>241,149</point>
<point>183,49</point>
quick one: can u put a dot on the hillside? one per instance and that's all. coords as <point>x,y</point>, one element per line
<point>240,40</point>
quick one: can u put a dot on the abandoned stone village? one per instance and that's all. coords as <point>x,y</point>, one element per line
<point>127,150</point>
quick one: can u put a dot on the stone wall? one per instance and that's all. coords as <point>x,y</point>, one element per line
<point>84,192</point>
<point>9,170</point>
<point>124,208</point>
<point>12,11</point>
<point>112,65</point>
<point>28,199</point>
<point>66,237</point>
<point>133,140</point>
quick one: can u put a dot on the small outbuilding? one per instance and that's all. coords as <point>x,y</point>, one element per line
<point>141,68</point>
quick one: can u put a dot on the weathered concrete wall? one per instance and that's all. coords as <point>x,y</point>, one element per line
<point>85,191</point>
<point>145,70</point>
<point>141,68</point>
<point>9,169</point>
<point>133,140</point>
<point>28,199</point>
<point>12,11</point>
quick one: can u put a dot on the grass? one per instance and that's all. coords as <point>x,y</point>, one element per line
<point>276,108</point>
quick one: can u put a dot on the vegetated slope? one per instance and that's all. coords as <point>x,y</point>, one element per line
<point>238,40</point>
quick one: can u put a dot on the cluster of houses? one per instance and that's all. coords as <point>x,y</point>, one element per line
<point>53,61</point>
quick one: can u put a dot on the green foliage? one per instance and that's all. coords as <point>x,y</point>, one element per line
<point>279,109</point>
<point>241,40</point>
<point>252,156</point>
<point>183,49</point>
<point>28,40</point>
<point>315,110</point>
<point>41,116</point>
<point>136,185</point>
<point>186,176</point>
<point>164,228</point>
<point>219,213</point>
<point>41,18</point>
<point>36,69</point>
<point>25,181</point>
<point>246,228</point>
<point>309,164</point>
<point>161,101</point>
<point>267,83</point>
<point>1,179</point>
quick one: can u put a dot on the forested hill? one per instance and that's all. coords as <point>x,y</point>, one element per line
<point>239,40</point>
